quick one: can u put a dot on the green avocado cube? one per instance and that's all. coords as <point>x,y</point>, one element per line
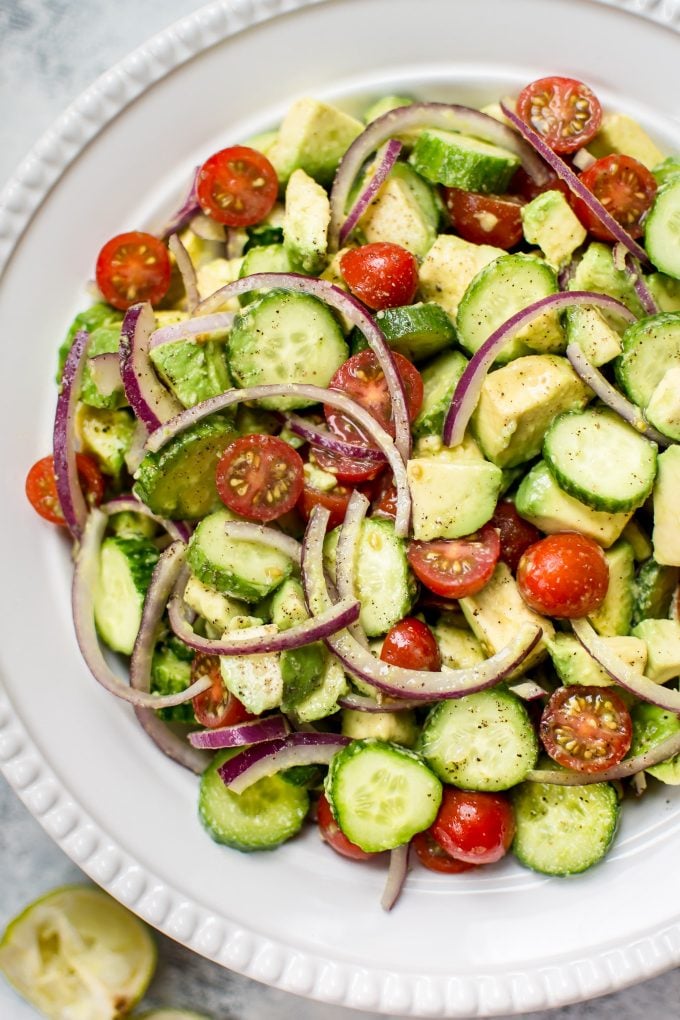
<point>666,534</point>
<point>620,133</point>
<point>451,499</point>
<point>305,223</point>
<point>662,638</point>
<point>663,409</point>
<point>549,222</point>
<point>449,268</point>
<point>313,137</point>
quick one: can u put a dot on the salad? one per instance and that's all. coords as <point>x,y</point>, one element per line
<point>370,461</point>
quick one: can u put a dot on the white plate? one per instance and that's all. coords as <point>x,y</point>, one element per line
<point>300,918</point>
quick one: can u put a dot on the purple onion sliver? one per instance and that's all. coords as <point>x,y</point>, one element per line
<point>362,703</point>
<point>148,398</point>
<point>177,530</point>
<point>528,690</point>
<point>385,160</point>
<point>267,759</point>
<point>325,440</point>
<point>105,372</point>
<point>186,212</point>
<point>575,185</point>
<point>254,731</point>
<point>396,876</point>
<point>196,326</point>
<point>71,499</point>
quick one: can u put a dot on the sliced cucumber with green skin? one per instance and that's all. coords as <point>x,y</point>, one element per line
<point>179,480</point>
<point>650,347</point>
<point>262,817</point>
<point>458,161</point>
<point>385,586</point>
<point>286,338</point>
<point>171,673</point>
<point>613,617</point>
<point>651,726</point>
<point>662,229</point>
<point>302,670</point>
<point>193,371</point>
<point>483,741</point>
<point>264,258</point>
<point>125,569</point>
<point>417,331</point>
<point>504,287</point>
<point>244,570</point>
<point>440,378</point>
<point>381,794</point>
<point>653,590</point>
<point>600,459</point>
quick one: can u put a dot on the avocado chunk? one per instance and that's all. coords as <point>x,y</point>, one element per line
<point>395,727</point>
<point>215,607</point>
<point>384,105</point>
<point>192,369</point>
<point>403,212</point>
<point>91,319</point>
<point>103,340</point>
<point>652,726</point>
<point>519,401</point>
<point>613,617</point>
<point>255,680</point>
<point>665,291</point>
<point>440,378</point>
<point>451,499</point>
<point>450,266</point>
<point>540,501</point>
<point>458,648</point>
<point>666,533</point>
<point>620,133</point>
<point>574,665</point>
<point>218,273</point>
<point>596,271</point>
<point>653,590</point>
<point>588,328</point>
<point>171,673</point>
<point>313,137</point>
<point>549,222</point>
<point>305,223</point>
<point>107,435</point>
<point>662,638</point>
<point>663,409</point>
<point>458,161</point>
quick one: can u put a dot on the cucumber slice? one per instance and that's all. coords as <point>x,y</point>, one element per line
<point>650,347</point>
<point>179,481</point>
<point>125,569</point>
<point>614,615</point>
<point>600,459</point>
<point>457,161</point>
<point>563,830</point>
<point>244,570</point>
<point>662,229</point>
<point>653,590</point>
<point>262,817</point>
<point>381,794</point>
<point>286,338</point>
<point>483,741</point>
<point>651,726</point>
<point>440,378</point>
<point>417,331</point>
<point>171,673</point>
<point>504,287</point>
<point>193,371</point>
<point>263,258</point>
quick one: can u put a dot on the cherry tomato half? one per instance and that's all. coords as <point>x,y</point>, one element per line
<point>485,219</point>
<point>477,828</point>
<point>382,275</point>
<point>215,706</point>
<point>41,486</point>
<point>586,728</point>
<point>348,470</point>
<point>433,856</point>
<point>133,267</point>
<point>412,645</point>
<point>564,575</point>
<point>564,111</point>
<point>528,189</point>
<point>335,501</point>
<point>625,188</point>
<point>456,567</point>
<point>260,477</point>
<point>516,533</point>
<point>331,834</point>
<point>237,186</point>
<point>385,499</point>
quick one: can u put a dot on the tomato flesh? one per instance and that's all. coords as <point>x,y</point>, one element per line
<point>433,856</point>
<point>382,275</point>
<point>215,706</point>
<point>335,501</point>
<point>564,111</point>
<point>347,470</point>
<point>133,267</point>
<point>456,567</point>
<point>331,834</point>
<point>41,486</point>
<point>260,477</point>
<point>412,645</point>
<point>516,534</point>
<point>625,188</point>
<point>485,219</point>
<point>564,575</point>
<point>586,728</point>
<point>476,828</point>
<point>237,186</point>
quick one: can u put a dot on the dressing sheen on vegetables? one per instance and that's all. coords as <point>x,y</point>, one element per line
<point>370,462</point>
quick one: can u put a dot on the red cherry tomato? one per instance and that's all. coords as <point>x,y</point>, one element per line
<point>260,477</point>
<point>382,275</point>
<point>477,828</point>
<point>527,188</point>
<point>331,834</point>
<point>485,219</point>
<point>133,267</point>
<point>41,486</point>
<point>335,501</point>
<point>625,188</point>
<point>385,499</point>
<point>586,728</point>
<point>237,186</point>
<point>564,575</point>
<point>516,533</point>
<point>564,111</point>
<point>433,857</point>
<point>348,470</point>
<point>216,706</point>
<point>412,645</point>
<point>456,567</point>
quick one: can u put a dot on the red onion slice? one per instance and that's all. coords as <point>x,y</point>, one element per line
<point>466,393</point>
<point>179,531</point>
<point>325,440</point>
<point>188,209</point>
<point>71,499</point>
<point>445,116</point>
<point>623,674</point>
<point>629,767</point>
<point>254,731</point>
<point>105,372</point>
<point>361,703</point>
<point>396,876</point>
<point>352,310</point>
<point>610,396</point>
<point>625,262</point>
<point>149,399</point>
<point>420,685</point>
<point>528,690</point>
<point>84,581</point>
<point>187,272</point>
<point>196,326</point>
<point>385,160</point>
<point>575,185</point>
<point>335,398</point>
<point>246,531</point>
<point>262,760</point>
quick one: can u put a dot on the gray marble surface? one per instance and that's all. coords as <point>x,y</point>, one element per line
<point>49,51</point>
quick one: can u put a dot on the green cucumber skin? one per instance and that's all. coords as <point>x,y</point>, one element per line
<point>650,347</point>
<point>662,229</point>
<point>447,161</point>
<point>228,581</point>
<point>653,590</point>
